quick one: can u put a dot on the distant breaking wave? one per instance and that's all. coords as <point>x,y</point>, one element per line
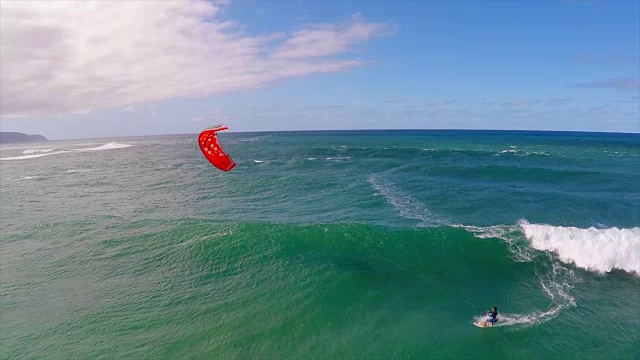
<point>522,153</point>
<point>77,170</point>
<point>36,153</point>
<point>33,156</point>
<point>27,178</point>
<point>428,152</point>
<point>109,146</point>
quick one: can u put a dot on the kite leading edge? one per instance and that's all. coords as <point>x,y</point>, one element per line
<point>211,149</point>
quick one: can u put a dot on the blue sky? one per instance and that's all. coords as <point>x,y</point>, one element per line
<point>544,65</point>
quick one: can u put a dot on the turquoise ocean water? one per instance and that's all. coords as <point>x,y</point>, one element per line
<point>322,245</point>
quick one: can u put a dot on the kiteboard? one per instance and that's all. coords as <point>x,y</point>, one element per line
<point>479,324</point>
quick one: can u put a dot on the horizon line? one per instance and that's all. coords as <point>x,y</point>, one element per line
<point>349,130</point>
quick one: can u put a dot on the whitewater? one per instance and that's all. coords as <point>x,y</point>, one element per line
<point>36,153</point>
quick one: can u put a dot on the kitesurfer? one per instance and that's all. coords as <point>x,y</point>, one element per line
<point>492,317</point>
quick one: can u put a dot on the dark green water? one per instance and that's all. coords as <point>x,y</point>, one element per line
<point>322,245</point>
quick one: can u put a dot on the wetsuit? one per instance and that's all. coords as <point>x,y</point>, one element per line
<point>493,317</point>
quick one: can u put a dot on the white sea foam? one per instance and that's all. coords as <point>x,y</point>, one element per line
<point>406,205</point>
<point>597,250</point>
<point>109,146</point>
<point>509,234</point>
<point>258,161</point>
<point>256,138</point>
<point>35,151</point>
<point>33,156</point>
<point>77,170</point>
<point>521,153</point>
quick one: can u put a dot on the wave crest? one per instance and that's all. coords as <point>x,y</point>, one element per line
<point>109,146</point>
<point>36,153</point>
<point>598,250</point>
<point>33,156</point>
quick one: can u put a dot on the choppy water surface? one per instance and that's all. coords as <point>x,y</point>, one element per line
<point>322,245</point>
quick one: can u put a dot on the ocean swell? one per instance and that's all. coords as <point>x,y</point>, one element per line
<point>406,205</point>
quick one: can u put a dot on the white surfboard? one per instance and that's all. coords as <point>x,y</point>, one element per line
<point>479,324</point>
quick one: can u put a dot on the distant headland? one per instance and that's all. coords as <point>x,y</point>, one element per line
<point>16,137</point>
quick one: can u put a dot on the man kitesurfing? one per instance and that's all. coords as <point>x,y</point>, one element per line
<point>492,317</point>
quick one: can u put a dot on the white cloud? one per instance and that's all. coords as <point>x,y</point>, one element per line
<point>73,57</point>
<point>326,39</point>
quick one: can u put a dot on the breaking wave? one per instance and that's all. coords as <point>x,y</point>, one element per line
<point>33,156</point>
<point>109,146</point>
<point>36,153</point>
<point>597,250</point>
<point>592,249</point>
<point>77,170</point>
<point>522,153</point>
<point>555,279</point>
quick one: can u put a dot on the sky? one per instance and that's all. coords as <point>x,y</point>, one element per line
<point>107,68</point>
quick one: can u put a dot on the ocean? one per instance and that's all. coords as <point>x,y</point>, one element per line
<point>322,245</point>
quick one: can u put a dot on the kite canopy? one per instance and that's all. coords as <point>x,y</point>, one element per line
<point>212,150</point>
